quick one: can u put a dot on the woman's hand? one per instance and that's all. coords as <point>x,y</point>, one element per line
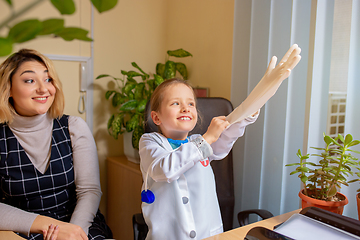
<point>64,231</point>
<point>217,126</point>
<point>68,231</point>
<point>51,233</point>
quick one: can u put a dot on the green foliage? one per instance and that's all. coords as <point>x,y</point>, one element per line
<point>168,69</point>
<point>335,165</point>
<point>26,30</point>
<point>130,98</point>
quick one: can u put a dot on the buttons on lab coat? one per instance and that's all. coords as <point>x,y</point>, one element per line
<point>192,234</point>
<point>185,200</point>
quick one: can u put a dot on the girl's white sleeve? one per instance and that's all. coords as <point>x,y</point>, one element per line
<point>164,164</point>
<point>228,137</point>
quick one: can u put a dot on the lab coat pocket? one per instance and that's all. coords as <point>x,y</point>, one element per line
<point>217,230</point>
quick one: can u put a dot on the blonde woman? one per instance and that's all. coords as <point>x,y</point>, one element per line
<point>49,172</point>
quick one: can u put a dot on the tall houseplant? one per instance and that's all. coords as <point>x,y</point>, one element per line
<point>322,180</point>
<point>134,90</point>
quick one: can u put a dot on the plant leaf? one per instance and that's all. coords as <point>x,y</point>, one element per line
<point>141,106</point>
<point>158,80</point>
<point>5,46</point>
<point>341,137</point>
<point>332,191</point>
<point>129,86</point>
<point>170,70</point>
<point>136,66</point>
<point>353,143</point>
<point>327,139</point>
<point>180,53</point>
<point>25,30</point>
<point>348,139</point>
<point>108,94</point>
<point>71,33</point>
<point>304,178</point>
<point>136,135</point>
<point>51,26</point>
<point>139,90</point>
<point>116,125</point>
<point>103,75</point>
<point>181,68</point>
<point>117,99</point>
<point>131,74</point>
<point>160,68</point>
<point>292,164</point>
<point>104,5</point>
<point>64,6</point>
<point>109,123</point>
<point>129,105</point>
<point>131,124</point>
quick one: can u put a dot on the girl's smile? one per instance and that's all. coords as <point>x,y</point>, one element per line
<point>32,90</point>
<point>177,115</point>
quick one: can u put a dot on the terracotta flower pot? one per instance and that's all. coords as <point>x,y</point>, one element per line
<point>358,204</point>
<point>335,207</point>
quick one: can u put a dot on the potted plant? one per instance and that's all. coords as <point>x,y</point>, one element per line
<point>322,180</point>
<point>131,95</point>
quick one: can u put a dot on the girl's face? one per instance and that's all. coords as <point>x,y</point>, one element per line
<point>177,115</point>
<point>31,89</point>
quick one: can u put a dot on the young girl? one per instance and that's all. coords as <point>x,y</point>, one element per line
<point>179,195</point>
<point>186,204</point>
<point>49,170</point>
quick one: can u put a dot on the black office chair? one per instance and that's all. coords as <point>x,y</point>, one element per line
<point>243,216</point>
<point>223,170</point>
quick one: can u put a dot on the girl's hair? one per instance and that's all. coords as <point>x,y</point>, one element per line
<point>158,95</point>
<point>7,70</point>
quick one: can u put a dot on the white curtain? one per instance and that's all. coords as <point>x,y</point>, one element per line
<point>296,116</point>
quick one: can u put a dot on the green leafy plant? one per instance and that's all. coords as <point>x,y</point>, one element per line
<point>26,30</point>
<point>169,69</point>
<point>132,93</point>
<point>335,164</point>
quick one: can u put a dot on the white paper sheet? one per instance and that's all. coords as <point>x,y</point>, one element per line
<point>301,227</point>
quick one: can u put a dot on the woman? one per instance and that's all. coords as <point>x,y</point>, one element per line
<point>49,172</point>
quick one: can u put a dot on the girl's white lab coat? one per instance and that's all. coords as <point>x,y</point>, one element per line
<point>182,180</point>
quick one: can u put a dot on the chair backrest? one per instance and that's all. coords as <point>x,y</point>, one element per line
<point>210,107</point>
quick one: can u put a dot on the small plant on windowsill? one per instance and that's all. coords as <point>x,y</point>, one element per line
<point>322,180</point>
<point>134,90</point>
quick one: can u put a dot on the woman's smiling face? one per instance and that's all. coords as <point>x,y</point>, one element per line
<point>32,90</point>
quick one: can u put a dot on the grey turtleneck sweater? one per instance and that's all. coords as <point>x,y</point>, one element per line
<point>34,134</point>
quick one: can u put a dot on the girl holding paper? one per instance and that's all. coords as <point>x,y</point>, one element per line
<point>179,195</point>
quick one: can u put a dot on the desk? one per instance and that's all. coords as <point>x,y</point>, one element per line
<point>124,181</point>
<point>9,235</point>
<point>240,233</point>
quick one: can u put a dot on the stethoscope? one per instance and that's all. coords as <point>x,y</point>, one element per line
<point>147,196</point>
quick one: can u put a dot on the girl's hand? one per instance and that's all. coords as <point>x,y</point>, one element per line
<point>51,233</point>
<point>217,126</point>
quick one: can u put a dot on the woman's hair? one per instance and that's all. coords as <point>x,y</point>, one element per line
<point>158,94</point>
<point>7,70</point>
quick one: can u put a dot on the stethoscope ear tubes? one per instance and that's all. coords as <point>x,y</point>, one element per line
<point>147,196</point>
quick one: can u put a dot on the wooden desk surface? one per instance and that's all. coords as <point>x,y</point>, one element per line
<point>240,233</point>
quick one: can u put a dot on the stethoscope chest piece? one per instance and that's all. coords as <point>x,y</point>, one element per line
<point>147,196</point>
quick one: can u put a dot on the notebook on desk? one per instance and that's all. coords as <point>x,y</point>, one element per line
<point>310,223</point>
